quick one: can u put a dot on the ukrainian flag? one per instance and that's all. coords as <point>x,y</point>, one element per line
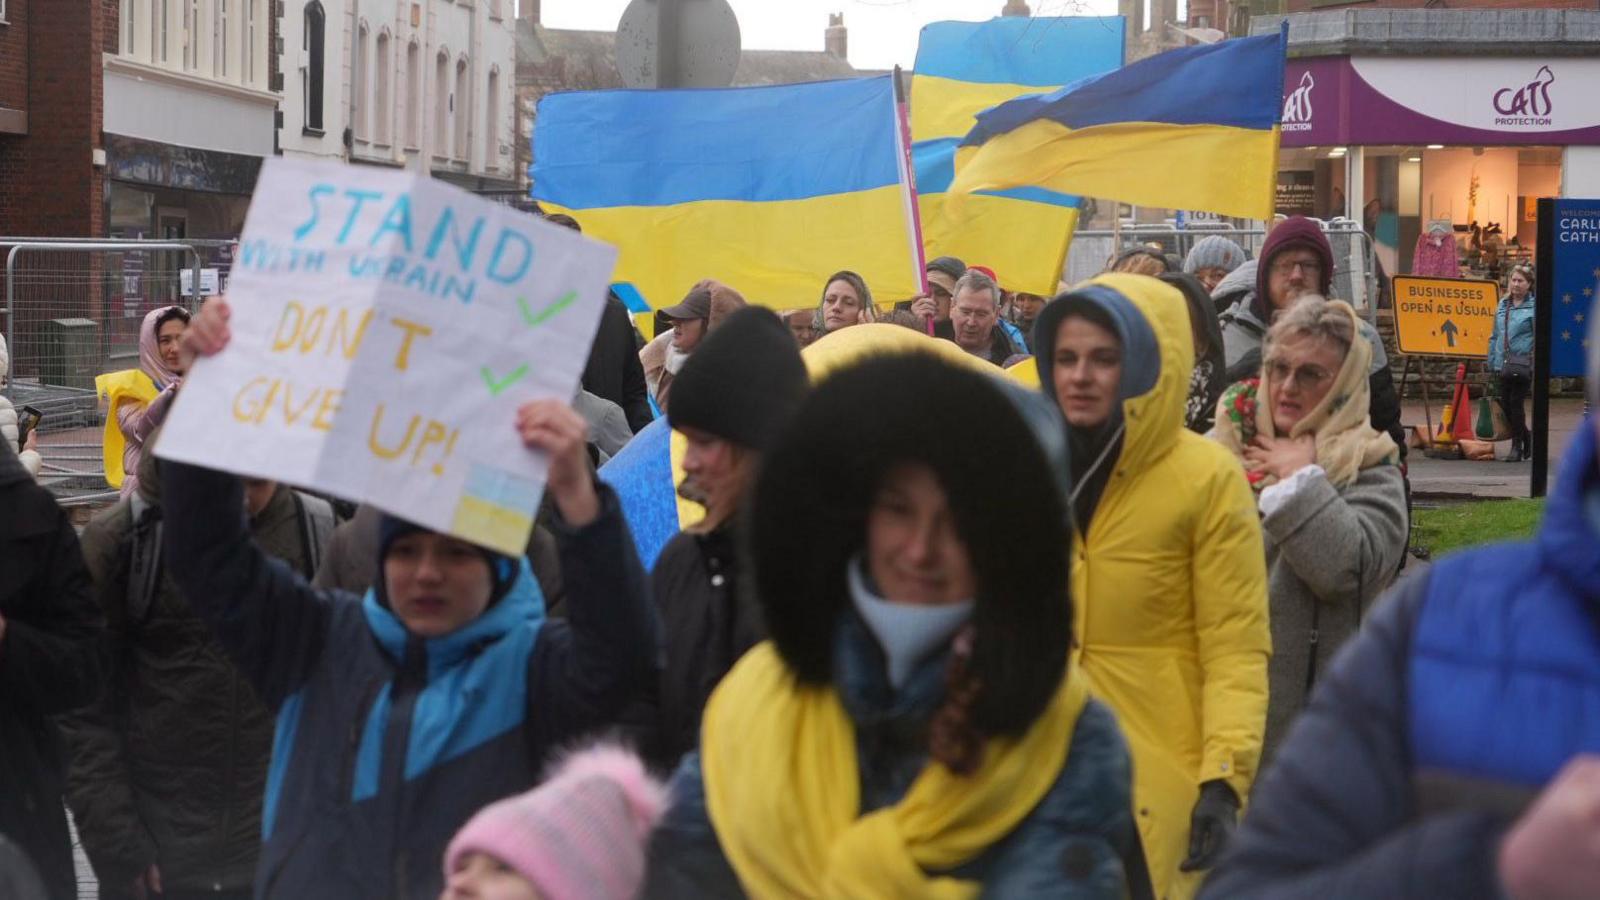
<point>768,189</point>
<point>1194,128</point>
<point>964,68</point>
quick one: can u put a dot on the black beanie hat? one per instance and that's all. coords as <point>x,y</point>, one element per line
<point>1004,474</point>
<point>503,570</point>
<point>743,382</point>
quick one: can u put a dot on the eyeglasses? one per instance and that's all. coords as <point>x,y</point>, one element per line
<point>1311,267</point>
<point>1307,377</point>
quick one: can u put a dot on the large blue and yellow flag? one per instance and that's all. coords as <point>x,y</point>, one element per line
<point>964,68</point>
<point>767,189</point>
<point>1194,128</point>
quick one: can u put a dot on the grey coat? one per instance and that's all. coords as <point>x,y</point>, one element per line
<point>1330,552</point>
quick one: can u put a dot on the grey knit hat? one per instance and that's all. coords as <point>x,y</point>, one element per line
<point>1215,251</point>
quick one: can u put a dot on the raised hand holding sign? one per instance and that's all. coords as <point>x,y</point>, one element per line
<point>385,329</point>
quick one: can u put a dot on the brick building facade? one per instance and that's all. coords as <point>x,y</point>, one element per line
<point>50,119</point>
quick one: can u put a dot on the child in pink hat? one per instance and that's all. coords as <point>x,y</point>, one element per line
<point>581,835</point>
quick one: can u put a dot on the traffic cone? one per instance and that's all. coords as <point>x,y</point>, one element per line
<point>1455,422</point>
<point>1463,400</point>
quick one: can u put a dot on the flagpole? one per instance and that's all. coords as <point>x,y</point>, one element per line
<point>913,208</point>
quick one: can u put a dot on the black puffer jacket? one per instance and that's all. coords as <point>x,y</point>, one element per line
<point>613,370</point>
<point>169,766</point>
<point>50,662</point>
<point>709,622</point>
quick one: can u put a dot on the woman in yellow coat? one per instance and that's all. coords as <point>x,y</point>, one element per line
<point>1169,571</point>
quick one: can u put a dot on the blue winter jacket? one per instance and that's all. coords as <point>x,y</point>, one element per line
<point>1073,845</point>
<point>387,743</point>
<point>1516,324</point>
<point>1462,697</point>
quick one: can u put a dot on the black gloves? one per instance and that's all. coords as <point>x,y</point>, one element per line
<point>1215,816</point>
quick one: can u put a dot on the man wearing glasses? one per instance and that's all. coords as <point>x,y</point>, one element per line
<point>1295,261</point>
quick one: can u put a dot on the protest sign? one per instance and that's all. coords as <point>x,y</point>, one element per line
<point>385,329</point>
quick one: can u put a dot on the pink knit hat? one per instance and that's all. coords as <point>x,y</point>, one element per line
<point>581,835</point>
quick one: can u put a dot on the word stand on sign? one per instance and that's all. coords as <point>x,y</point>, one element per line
<point>386,328</point>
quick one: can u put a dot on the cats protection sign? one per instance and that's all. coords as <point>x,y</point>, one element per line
<point>385,329</point>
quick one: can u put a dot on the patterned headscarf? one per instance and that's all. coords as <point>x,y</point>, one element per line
<point>1346,441</point>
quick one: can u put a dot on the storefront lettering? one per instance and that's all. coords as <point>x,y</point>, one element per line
<point>1527,105</point>
<point>1297,109</point>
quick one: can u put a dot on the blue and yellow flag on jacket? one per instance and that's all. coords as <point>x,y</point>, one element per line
<point>964,68</point>
<point>768,189</point>
<point>1194,128</point>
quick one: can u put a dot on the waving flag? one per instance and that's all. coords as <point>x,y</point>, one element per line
<point>768,189</point>
<point>964,68</point>
<point>1194,128</point>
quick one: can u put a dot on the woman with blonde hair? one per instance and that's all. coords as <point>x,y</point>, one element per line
<point>1328,487</point>
<point>846,300</point>
<point>730,400</point>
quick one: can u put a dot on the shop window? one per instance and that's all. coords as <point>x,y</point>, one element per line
<point>311,72</point>
<point>463,145</point>
<point>359,63</point>
<point>413,95</point>
<point>441,105</point>
<point>491,129</point>
<point>380,97</point>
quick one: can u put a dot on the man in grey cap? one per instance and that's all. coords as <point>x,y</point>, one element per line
<point>943,273</point>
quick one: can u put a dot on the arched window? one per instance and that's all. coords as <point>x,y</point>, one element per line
<point>311,73</point>
<point>247,45</point>
<point>191,32</point>
<point>491,120</point>
<point>441,105</point>
<point>413,95</point>
<point>219,40</point>
<point>359,65</point>
<point>463,146</point>
<point>382,112</point>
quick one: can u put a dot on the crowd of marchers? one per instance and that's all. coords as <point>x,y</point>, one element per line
<point>1095,595</point>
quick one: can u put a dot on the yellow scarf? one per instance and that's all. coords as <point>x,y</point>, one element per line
<point>116,388</point>
<point>783,792</point>
<point>1341,424</point>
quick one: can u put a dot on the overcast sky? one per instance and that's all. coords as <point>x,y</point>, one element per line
<point>882,32</point>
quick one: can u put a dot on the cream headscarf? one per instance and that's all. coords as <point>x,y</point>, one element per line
<point>1341,423</point>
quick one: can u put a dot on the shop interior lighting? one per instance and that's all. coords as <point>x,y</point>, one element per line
<point>1413,159</point>
<point>1435,146</point>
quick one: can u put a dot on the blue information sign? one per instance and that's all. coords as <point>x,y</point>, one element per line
<point>1577,278</point>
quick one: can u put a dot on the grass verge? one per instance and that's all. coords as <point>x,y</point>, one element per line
<point>1445,528</point>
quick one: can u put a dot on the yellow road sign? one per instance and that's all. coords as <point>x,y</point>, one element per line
<point>1444,316</point>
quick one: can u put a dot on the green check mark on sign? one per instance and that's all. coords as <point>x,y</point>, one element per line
<point>534,319</point>
<point>497,385</point>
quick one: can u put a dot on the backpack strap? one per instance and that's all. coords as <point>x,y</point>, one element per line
<point>144,559</point>
<point>317,521</point>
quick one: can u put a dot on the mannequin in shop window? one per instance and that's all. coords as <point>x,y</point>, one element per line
<point>1436,253</point>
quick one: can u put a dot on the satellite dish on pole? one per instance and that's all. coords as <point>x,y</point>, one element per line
<point>678,43</point>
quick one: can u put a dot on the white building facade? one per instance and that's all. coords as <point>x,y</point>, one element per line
<point>427,85</point>
<point>189,114</point>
